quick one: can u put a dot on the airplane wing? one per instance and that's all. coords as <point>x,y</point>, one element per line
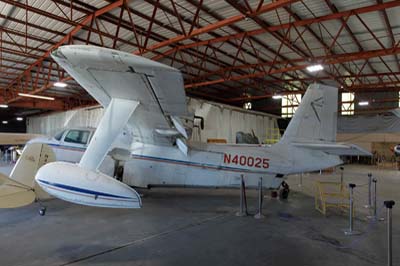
<point>16,138</point>
<point>108,74</point>
<point>146,96</point>
<point>335,148</point>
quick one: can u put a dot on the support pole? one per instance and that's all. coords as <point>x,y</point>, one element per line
<point>375,205</point>
<point>369,205</point>
<point>243,203</point>
<point>350,231</point>
<point>259,214</point>
<point>301,180</point>
<point>389,205</point>
<point>374,217</point>
<point>341,179</point>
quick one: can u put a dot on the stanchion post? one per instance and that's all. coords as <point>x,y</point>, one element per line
<point>389,205</point>
<point>259,214</point>
<point>351,231</point>
<point>341,178</point>
<point>369,205</point>
<point>241,211</point>
<point>374,217</point>
<point>301,180</point>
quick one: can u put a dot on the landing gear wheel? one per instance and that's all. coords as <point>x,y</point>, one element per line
<point>120,173</point>
<point>284,191</point>
<point>118,170</point>
<point>42,211</point>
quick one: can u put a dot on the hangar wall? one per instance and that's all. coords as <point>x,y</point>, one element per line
<point>379,100</point>
<point>368,131</point>
<point>221,121</point>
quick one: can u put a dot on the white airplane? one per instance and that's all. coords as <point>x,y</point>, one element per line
<point>144,126</point>
<point>396,150</point>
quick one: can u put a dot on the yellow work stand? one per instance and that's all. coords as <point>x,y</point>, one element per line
<point>331,195</point>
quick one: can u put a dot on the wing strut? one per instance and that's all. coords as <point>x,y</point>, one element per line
<point>115,118</point>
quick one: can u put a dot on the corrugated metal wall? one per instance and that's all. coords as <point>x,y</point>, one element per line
<point>221,121</point>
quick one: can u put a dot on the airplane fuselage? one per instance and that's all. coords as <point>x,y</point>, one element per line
<point>146,126</point>
<point>206,165</point>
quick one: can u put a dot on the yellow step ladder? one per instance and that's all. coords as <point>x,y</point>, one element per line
<point>331,195</point>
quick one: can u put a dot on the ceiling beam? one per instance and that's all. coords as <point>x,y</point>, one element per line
<point>325,60</point>
<point>69,35</point>
<point>222,23</point>
<point>304,22</point>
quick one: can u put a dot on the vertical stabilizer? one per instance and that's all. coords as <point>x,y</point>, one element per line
<point>315,119</point>
<point>34,156</point>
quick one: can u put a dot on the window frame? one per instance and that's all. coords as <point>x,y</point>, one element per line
<point>347,105</point>
<point>81,131</point>
<point>60,135</point>
<point>289,104</point>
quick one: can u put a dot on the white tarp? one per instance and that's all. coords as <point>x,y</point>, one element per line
<point>369,124</point>
<point>220,121</point>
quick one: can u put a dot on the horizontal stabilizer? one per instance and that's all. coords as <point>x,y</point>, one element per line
<point>334,148</point>
<point>14,194</point>
<point>20,188</point>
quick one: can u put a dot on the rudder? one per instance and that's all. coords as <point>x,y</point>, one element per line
<point>316,118</point>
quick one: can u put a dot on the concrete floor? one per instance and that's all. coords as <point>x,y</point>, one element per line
<point>199,227</point>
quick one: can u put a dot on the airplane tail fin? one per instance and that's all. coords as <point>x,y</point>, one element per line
<point>314,125</point>
<point>315,119</point>
<point>20,188</point>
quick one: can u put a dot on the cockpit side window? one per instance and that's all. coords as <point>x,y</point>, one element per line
<point>77,136</point>
<point>59,135</point>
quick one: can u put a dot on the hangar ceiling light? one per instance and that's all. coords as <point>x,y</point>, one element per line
<point>20,119</point>
<point>247,105</point>
<point>3,106</point>
<point>364,103</point>
<point>36,96</point>
<point>60,84</point>
<point>315,68</point>
<point>277,97</point>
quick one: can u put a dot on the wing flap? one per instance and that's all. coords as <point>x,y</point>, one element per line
<point>335,148</point>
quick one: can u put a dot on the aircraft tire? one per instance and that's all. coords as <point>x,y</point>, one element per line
<point>120,173</point>
<point>284,191</point>
<point>42,211</point>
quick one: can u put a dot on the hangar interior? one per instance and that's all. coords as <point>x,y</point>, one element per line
<point>246,66</point>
